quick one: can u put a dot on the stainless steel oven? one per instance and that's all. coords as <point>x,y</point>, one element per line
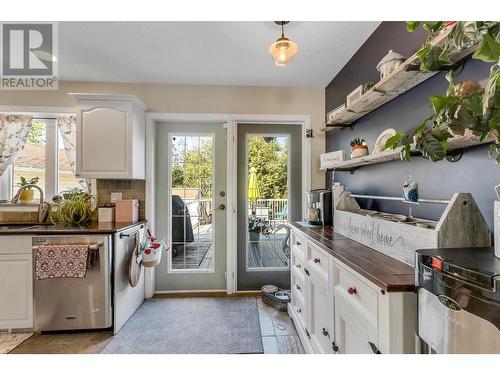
<point>75,303</point>
<point>458,300</point>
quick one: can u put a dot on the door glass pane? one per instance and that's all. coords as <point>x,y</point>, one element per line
<point>267,202</point>
<point>30,163</point>
<point>192,224</point>
<point>66,177</point>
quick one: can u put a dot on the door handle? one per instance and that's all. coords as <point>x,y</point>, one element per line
<point>221,207</point>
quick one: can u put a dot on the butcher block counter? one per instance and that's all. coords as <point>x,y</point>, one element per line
<point>389,274</point>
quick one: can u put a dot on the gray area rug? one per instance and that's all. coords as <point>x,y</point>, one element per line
<point>191,326</point>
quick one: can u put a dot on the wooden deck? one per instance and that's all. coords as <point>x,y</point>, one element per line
<point>267,253</point>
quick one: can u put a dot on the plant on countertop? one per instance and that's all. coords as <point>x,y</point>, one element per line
<point>77,209</point>
<point>23,181</point>
<point>357,142</point>
<point>466,106</point>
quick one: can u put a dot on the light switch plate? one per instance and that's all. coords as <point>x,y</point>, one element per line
<point>115,197</point>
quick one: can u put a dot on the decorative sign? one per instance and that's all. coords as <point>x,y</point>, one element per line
<point>394,239</point>
<point>329,159</point>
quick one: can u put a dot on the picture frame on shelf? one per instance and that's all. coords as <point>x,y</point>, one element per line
<point>354,96</point>
<point>330,116</point>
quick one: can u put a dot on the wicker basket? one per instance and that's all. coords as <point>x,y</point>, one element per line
<point>272,300</point>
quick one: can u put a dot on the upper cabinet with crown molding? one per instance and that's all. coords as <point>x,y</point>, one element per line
<point>110,137</point>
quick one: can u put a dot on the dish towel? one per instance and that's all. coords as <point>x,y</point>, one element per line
<point>62,261</point>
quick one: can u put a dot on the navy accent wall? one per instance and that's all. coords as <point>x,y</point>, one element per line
<point>474,173</point>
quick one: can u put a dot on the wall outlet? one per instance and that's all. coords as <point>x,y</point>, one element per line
<point>115,197</point>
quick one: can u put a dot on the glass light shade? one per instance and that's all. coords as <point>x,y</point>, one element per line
<point>283,51</point>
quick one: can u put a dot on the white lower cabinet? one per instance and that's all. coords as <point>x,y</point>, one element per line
<point>337,310</point>
<point>16,283</point>
<point>353,333</point>
<point>320,323</point>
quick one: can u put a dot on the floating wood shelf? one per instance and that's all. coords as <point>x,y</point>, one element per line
<point>401,80</point>
<point>456,143</point>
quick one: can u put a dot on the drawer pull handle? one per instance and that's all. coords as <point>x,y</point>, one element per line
<point>317,260</point>
<point>306,271</point>
<point>297,243</point>
<point>299,310</point>
<point>325,332</point>
<point>297,286</point>
<point>297,265</point>
<point>351,290</point>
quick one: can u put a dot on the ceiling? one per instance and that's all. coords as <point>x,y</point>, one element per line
<point>206,53</point>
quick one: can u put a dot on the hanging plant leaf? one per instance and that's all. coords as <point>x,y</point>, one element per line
<point>457,129</point>
<point>431,148</point>
<point>488,50</point>
<point>432,58</point>
<point>411,26</point>
<point>441,133</point>
<point>393,141</point>
<point>464,35</point>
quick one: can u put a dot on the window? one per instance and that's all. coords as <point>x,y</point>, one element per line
<point>43,157</point>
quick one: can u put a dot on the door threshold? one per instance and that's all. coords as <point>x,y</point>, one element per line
<point>204,294</point>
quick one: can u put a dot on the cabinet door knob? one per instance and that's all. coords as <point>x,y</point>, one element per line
<point>317,260</point>
<point>306,271</point>
<point>335,348</point>
<point>297,286</point>
<point>297,243</point>
<point>299,310</point>
<point>297,265</point>
<point>325,332</point>
<point>351,290</point>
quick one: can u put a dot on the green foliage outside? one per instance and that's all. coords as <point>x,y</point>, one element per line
<point>36,135</point>
<point>270,157</point>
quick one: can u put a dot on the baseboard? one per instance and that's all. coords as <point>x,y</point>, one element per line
<point>203,294</point>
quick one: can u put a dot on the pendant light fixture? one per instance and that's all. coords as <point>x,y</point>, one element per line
<point>283,50</point>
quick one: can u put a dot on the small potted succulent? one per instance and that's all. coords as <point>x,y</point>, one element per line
<point>359,148</point>
<point>27,195</point>
<point>150,251</point>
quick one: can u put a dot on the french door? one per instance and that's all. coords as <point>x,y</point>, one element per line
<point>269,195</point>
<point>191,201</point>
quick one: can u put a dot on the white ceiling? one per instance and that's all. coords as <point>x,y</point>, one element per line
<point>208,53</point>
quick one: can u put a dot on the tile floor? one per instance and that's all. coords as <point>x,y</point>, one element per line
<point>279,335</point>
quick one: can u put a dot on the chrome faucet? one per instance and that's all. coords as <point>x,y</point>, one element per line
<point>43,207</point>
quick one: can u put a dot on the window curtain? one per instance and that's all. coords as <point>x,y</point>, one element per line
<point>14,130</point>
<point>67,128</point>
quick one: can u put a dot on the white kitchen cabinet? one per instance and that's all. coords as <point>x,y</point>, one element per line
<point>345,312</point>
<point>353,333</point>
<point>16,282</point>
<point>110,136</point>
<point>320,322</point>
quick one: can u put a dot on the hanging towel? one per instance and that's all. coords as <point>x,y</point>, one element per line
<point>62,261</point>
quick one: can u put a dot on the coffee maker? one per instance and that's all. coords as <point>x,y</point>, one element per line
<point>319,207</point>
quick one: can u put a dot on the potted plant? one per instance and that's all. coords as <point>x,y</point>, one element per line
<point>256,226</point>
<point>150,251</point>
<point>77,209</point>
<point>27,195</point>
<point>359,148</point>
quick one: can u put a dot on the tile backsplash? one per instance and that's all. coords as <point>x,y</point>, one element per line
<point>130,189</point>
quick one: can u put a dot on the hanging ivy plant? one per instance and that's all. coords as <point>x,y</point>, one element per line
<point>466,105</point>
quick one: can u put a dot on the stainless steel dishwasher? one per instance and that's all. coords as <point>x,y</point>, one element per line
<point>458,300</point>
<point>75,303</point>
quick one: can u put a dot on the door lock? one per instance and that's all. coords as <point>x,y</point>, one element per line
<point>221,207</point>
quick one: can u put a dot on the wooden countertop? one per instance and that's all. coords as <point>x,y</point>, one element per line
<point>44,229</point>
<point>388,273</point>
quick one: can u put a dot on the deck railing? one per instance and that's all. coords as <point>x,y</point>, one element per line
<point>274,210</point>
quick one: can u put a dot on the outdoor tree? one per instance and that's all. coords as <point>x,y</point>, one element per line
<point>270,158</point>
<point>36,135</point>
